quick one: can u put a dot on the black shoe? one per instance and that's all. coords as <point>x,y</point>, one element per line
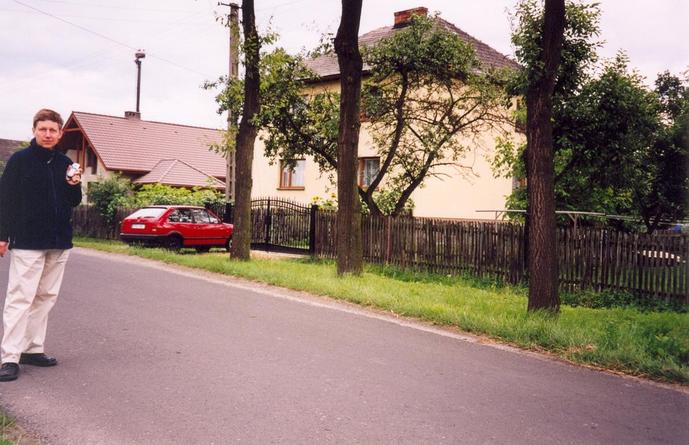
<point>37,359</point>
<point>9,372</point>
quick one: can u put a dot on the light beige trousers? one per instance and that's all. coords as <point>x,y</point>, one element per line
<point>34,281</point>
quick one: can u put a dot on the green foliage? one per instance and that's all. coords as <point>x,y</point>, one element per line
<point>231,96</point>
<point>296,123</point>
<point>427,95</point>
<point>161,194</point>
<point>603,121</point>
<point>578,49</point>
<point>108,194</point>
<point>385,201</point>
<point>617,299</point>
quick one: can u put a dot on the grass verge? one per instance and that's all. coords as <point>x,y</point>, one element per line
<point>642,343</point>
<point>7,426</point>
<point>13,434</point>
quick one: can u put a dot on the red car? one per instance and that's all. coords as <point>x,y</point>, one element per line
<point>175,227</point>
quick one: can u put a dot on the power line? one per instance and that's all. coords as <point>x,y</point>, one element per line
<point>103,36</point>
<point>107,19</point>
<point>122,8</point>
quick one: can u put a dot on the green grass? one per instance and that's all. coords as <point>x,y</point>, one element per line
<point>637,342</point>
<point>7,430</point>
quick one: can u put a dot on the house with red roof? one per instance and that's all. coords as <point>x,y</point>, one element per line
<point>455,191</point>
<point>143,151</point>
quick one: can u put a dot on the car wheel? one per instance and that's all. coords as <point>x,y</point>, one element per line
<point>228,244</point>
<point>173,243</point>
<point>203,249</point>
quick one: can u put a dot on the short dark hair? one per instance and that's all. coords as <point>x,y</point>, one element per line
<point>45,114</point>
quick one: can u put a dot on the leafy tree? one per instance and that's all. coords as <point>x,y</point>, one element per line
<point>349,241</point>
<point>663,192</point>
<point>578,57</point>
<point>427,92</point>
<point>427,95</point>
<point>606,121</point>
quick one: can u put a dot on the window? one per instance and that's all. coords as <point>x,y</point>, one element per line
<point>200,216</point>
<point>292,174</point>
<point>368,170</point>
<point>91,160</point>
<point>180,216</point>
<point>147,212</point>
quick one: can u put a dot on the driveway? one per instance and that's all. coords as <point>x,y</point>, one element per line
<point>151,354</point>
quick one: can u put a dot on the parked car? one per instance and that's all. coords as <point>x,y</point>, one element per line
<point>176,226</point>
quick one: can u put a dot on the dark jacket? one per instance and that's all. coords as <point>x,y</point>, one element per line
<point>36,201</point>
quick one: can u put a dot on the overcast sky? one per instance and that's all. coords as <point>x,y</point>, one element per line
<point>78,55</point>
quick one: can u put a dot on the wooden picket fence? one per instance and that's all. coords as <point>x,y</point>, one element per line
<point>88,222</point>
<point>653,266</point>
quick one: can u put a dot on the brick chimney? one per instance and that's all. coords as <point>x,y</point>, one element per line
<point>402,17</point>
<point>132,115</point>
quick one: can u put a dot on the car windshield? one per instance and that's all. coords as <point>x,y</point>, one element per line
<point>148,212</point>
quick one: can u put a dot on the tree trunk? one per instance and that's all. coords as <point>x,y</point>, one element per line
<point>542,252</point>
<point>241,240</point>
<point>349,243</point>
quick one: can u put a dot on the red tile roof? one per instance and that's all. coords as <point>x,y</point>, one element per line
<point>179,173</point>
<point>134,145</point>
<point>326,66</point>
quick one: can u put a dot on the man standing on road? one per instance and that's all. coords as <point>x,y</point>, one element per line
<point>38,189</point>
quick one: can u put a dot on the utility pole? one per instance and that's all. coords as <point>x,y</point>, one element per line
<point>233,23</point>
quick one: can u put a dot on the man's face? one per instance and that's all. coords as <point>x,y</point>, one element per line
<point>47,134</point>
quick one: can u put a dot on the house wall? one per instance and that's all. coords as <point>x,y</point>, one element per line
<point>458,192</point>
<point>87,176</point>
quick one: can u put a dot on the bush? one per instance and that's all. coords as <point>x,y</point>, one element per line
<point>108,194</point>
<point>160,194</point>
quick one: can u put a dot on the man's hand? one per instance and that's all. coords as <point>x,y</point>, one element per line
<point>76,177</point>
<point>3,248</point>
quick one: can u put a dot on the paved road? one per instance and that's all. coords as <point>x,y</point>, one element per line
<point>152,355</point>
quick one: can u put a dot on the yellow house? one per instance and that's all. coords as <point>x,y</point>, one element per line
<point>459,191</point>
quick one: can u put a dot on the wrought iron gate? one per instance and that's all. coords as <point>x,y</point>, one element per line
<point>281,225</point>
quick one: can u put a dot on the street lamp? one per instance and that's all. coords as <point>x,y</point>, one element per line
<point>140,54</point>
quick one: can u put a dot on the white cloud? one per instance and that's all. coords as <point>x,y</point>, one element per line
<point>47,62</point>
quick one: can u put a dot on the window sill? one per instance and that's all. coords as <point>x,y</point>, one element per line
<point>291,188</point>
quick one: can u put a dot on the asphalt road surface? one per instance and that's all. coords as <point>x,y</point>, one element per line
<point>150,354</point>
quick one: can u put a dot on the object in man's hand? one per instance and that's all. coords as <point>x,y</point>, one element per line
<point>72,170</point>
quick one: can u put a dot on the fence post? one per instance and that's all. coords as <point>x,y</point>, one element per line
<point>228,217</point>
<point>685,258</point>
<point>387,223</point>
<point>268,223</point>
<point>312,229</point>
